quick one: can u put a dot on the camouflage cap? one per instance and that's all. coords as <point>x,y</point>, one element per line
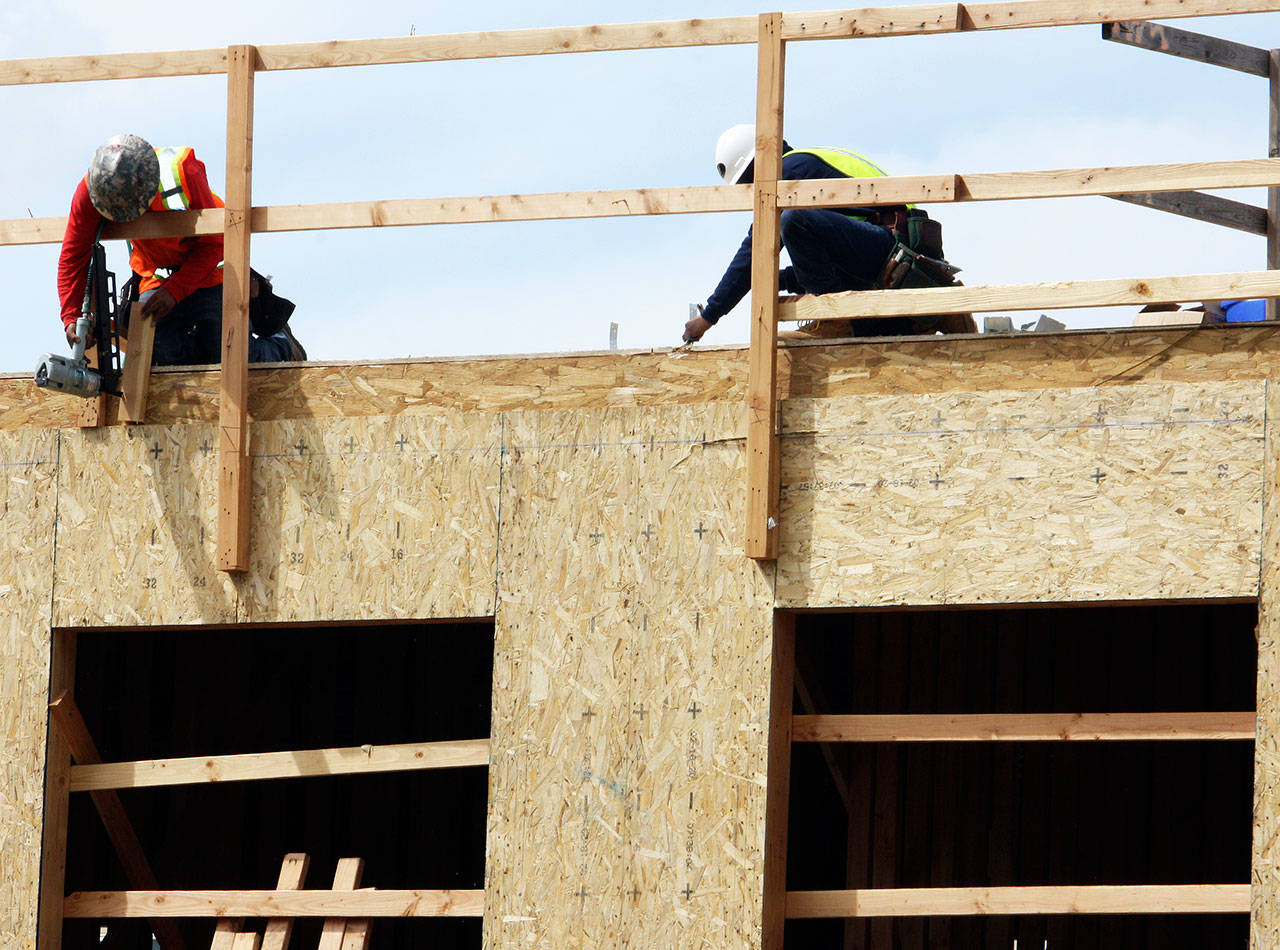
<point>124,177</point>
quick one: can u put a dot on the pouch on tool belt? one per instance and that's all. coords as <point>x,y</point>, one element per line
<point>907,268</point>
<point>914,228</point>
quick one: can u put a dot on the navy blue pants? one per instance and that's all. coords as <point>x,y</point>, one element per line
<point>191,334</point>
<point>831,252</point>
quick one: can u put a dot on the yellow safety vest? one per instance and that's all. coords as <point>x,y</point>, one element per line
<point>847,163</point>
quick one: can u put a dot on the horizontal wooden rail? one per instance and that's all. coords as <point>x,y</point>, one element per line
<point>827,24</point>
<point>1072,293</point>
<point>363,903</point>
<point>970,901</point>
<point>1052,183</point>
<point>1031,727</point>
<point>251,766</point>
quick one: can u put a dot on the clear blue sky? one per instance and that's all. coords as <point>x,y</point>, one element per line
<point>1003,101</point>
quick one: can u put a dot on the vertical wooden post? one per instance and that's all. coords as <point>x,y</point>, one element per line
<point>234,473</point>
<point>1273,194</point>
<point>57,787</point>
<point>762,386</point>
<point>778,780</point>
<point>1264,917</point>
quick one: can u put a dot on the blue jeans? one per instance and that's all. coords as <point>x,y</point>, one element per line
<point>191,334</point>
<point>831,252</point>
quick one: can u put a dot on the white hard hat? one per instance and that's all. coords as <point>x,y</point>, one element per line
<point>735,151</point>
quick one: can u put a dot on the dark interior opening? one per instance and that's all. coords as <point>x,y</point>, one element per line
<point>184,692</point>
<point>1027,813</point>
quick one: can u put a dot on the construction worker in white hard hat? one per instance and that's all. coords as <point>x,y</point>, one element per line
<point>830,249</point>
<point>179,279</point>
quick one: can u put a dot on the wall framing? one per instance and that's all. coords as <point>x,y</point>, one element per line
<point>592,505</point>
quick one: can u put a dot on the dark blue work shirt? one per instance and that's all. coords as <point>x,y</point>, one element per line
<point>736,282</point>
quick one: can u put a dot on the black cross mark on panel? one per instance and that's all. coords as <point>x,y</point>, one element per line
<point>700,530</point>
<point>301,447</point>
<point>350,444</point>
<point>588,714</point>
<point>402,442</point>
<point>687,892</point>
<point>595,536</point>
<point>155,451</point>
<point>695,709</point>
<point>937,480</point>
<point>648,532</point>
<point>641,712</point>
<point>205,447</point>
<point>1097,476</point>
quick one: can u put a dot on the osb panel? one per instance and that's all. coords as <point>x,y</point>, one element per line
<point>373,519</point>
<point>1002,497</point>
<point>659,377</point>
<point>28,498</point>
<point>1264,919</point>
<point>631,678</point>
<point>137,524</point>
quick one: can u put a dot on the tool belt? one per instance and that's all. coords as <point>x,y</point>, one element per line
<point>268,312</point>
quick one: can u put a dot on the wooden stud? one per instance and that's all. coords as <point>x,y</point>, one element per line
<point>778,789</point>
<point>1210,209</point>
<point>234,465</point>
<point>250,766</point>
<point>761,534</point>
<point>53,859</point>
<point>137,870</point>
<point>1196,46</point>
<point>246,941</point>
<point>135,382</point>
<point>1068,293</point>
<point>1273,194</point>
<point>370,902</point>
<point>224,934</point>
<point>1065,899</point>
<point>293,872</point>
<point>345,878</point>
<point>1264,917</point>
<point>1049,183</point>
<point>1028,727</point>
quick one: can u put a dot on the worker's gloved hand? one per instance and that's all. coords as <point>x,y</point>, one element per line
<point>694,329</point>
<point>73,338</point>
<point>156,304</point>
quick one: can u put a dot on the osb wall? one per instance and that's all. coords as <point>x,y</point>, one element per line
<point>28,495</point>
<point>592,504</point>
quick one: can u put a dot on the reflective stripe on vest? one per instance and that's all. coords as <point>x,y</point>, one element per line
<point>844,161</point>
<point>171,195</point>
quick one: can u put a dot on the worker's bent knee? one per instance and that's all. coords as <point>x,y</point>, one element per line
<point>794,221</point>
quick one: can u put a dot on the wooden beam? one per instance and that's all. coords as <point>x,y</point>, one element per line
<point>137,869</point>
<point>293,873</point>
<point>1026,14</point>
<point>532,207</point>
<point>252,766</point>
<point>1026,727</point>
<point>813,700</point>
<point>345,878</point>
<point>1264,916</point>
<point>135,378</point>
<point>1188,45</point>
<point>371,902</point>
<point>1273,194</point>
<point>829,24</point>
<point>57,800</point>
<point>224,933</point>
<point>983,901</point>
<point>778,779</point>
<point>234,465</point>
<point>1204,207</point>
<point>1049,183</point>
<point>1080,293</point>
<point>761,531</point>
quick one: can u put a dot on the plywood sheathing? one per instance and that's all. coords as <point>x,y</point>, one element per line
<point>28,498</point>
<point>352,520</point>
<point>136,528</point>
<point>1264,918</point>
<point>373,519</point>
<point>632,657</point>
<point>566,381</point>
<point>1005,497</point>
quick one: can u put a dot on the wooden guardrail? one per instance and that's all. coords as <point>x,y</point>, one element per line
<point>771,32</point>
